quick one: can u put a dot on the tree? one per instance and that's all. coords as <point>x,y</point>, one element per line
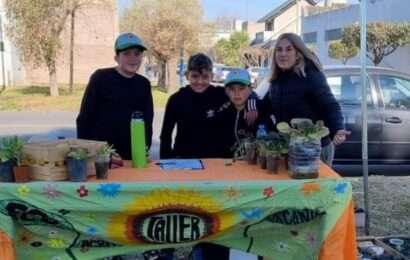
<point>382,38</point>
<point>35,28</point>
<point>165,27</point>
<point>229,51</point>
<point>252,56</point>
<point>340,51</point>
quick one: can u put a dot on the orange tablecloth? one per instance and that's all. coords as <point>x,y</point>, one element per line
<point>339,244</point>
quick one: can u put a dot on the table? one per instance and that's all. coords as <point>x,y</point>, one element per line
<point>239,206</point>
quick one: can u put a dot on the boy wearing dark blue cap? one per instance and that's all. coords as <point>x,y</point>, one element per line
<point>112,94</point>
<point>229,118</point>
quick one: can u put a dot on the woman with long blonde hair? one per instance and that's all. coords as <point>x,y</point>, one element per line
<point>298,89</point>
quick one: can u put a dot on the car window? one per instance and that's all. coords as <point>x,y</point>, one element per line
<point>395,91</point>
<point>347,90</point>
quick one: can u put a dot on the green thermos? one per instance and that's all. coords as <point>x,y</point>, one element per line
<point>139,157</point>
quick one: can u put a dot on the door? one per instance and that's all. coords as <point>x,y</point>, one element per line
<point>347,90</point>
<point>395,92</point>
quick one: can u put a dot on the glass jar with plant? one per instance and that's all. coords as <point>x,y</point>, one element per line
<point>304,146</point>
<point>102,160</point>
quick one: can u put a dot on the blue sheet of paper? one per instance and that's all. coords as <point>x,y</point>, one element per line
<point>181,164</point>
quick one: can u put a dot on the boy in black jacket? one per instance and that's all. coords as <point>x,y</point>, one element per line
<point>229,118</point>
<point>191,110</point>
<point>112,94</point>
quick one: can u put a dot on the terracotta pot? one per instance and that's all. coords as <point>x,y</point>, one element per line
<point>21,173</point>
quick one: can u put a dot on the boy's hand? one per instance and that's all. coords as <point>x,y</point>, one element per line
<point>250,116</point>
<point>251,112</point>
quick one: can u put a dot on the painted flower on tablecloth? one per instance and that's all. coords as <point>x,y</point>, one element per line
<point>82,191</point>
<point>51,191</point>
<point>311,239</point>
<point>109,189</point>
<point>268,192</point>
<point>23,190</point>
<point>232,193</point>
<point>91,230</point>
<point>252,213</point>
<point>56,243</point>
<point>309,188</point>
<point>282,247</point>
<point>341,188</point>
<point>208,214</point>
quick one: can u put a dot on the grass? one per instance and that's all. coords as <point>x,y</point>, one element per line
<point>389,203</point>
<point>36,98</point>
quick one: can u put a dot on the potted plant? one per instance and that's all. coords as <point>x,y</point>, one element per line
<point>245,149</point>
<point>261,151</point>
<point>76,160</point>
<point>304,146</point>
<point>272,157</point>
<point>102,161</point>
<point>11,149</point>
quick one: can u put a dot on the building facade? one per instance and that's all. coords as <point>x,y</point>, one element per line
<point>96,27</point>
<point>321,29</point>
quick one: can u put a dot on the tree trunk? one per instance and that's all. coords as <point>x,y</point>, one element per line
<point>71,79</point>
<point>162,74</point>
<point>52,72</point>
<point>172,76</point>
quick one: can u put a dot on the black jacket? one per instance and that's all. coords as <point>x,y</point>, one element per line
<point>232,127</point>
<point>107,105</point>
<point>293,96</point>
<point>190,112</point>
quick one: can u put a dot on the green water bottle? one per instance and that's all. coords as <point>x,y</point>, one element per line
<point>139,157</point>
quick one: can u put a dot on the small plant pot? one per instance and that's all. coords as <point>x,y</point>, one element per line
<point>77,170</point>
<point>262,161</point>
<point>101,170</point>
<point>21,173</point>
<point>6,172</point>
<point>251,155</point>
<point>272,164</point>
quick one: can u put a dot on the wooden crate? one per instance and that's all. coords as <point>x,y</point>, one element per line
<point>46,159</point>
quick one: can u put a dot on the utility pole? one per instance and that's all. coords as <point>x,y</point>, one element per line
<point>365,158</point>
<point>3,69</point>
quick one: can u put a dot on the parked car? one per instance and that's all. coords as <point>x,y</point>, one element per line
<point>220,73</point>
<point>388,104</point>
<point>257,74</point>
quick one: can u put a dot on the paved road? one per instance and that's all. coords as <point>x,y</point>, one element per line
<point>51,125</point>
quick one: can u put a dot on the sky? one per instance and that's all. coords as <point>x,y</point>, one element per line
<point>242,9</point>
<point>251,10</point>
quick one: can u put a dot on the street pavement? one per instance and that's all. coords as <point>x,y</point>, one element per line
<point>53,125</point>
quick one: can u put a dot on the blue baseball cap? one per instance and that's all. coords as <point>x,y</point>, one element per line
<point>240,76</point>
<point>128,40</point>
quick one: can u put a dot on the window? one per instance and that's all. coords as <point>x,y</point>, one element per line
<point>395,91</point>
<point>310,37</point>
<point>347,89</point>
<point>333,35</point>
<point>269,26</point>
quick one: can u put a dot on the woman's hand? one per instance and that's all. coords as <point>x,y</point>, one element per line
<point>340,136</point>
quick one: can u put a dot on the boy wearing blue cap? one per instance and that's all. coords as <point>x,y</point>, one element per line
<point>229,118</point>
<point>112,94</point>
